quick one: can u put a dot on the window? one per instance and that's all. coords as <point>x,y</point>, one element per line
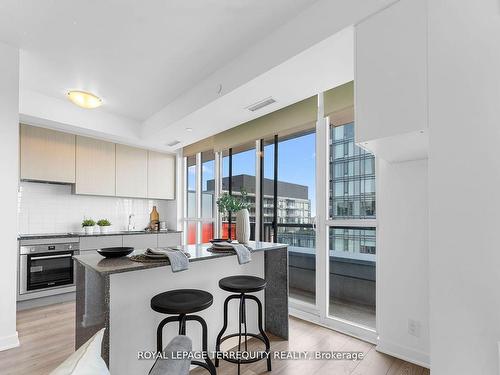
<point>191,227</point>
<point>352,185</point>
<point>207,195</point>
<point>207,184</point>
<point>238,167</point>
<point>296,209</point>
<point>191,186</point>
<point>199,217</point>
<point>352,235</point>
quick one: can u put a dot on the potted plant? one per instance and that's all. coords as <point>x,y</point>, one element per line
<point>104,225</point>
<point>88,226</point>
<point>239,205</point>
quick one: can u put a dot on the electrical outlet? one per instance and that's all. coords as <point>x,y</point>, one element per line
<point>414,327</point>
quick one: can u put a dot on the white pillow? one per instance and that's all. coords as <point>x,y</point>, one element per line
<point>86,360</point>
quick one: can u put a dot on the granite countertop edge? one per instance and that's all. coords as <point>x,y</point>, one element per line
<point>108,266</point>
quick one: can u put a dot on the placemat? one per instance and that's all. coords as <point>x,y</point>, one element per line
<point>228,251</point>
<point>141,258</point>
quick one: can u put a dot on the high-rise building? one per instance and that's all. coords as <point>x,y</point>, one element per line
<point>352,176</point>
<point>352,191</point>
<point>294,205</point>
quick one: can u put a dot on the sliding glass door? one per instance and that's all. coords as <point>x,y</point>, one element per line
<point>332,253</point>
<point>296,211</point>
<point>314,191</point>
<point>288,207</point>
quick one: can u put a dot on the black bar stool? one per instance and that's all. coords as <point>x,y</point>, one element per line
<point>181,302</point>
<point>242,285</point>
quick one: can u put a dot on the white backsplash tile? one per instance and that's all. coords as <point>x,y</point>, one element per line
<point>51,208</point>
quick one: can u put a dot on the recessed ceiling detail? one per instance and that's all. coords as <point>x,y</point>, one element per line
<point>261,104</point>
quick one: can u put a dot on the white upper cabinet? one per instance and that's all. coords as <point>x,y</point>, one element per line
<point>131,172</point>
<point>47,155</point>
<point>95,167</point>
<point>161,175</point>
<point>390,79</point>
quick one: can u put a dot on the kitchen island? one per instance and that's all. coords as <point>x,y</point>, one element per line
<point>116,293</point>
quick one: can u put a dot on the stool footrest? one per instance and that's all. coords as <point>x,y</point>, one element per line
<point>248,334</point>
<point>245,361</point>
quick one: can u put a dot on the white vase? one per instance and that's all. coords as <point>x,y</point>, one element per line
<point>104,229</point>
<point>89,230</point>
<point>243,226</point>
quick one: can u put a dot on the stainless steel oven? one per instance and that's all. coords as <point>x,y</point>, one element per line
<point>46,267</point>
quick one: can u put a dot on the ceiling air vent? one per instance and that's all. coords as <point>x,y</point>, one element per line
<point>261,104</point>
<point>173,143</point>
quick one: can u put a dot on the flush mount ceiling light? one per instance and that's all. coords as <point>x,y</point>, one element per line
<point>189,129</point>
<point>84,99</point>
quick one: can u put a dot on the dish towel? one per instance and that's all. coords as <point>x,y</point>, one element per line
<point>242,252</point>
<point>178,260</point>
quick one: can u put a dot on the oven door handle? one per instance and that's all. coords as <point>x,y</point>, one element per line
<point>51,257</point>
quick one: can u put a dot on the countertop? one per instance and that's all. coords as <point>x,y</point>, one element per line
<point>107,266</point>
<point>82,234</point>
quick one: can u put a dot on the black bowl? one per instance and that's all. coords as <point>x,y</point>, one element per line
<point>215,240</point>
<point>115,252</point>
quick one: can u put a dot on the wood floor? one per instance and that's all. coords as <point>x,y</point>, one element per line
<point>47,338</point>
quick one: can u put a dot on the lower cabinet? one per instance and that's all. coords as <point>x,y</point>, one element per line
<point>169,239</point>
<point>141,241</point>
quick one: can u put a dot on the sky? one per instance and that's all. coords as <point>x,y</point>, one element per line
<point>296,164</point>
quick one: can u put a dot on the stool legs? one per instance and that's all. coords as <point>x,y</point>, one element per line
<point>182,319</point>
<point>242,321</point>
<point>159,331</point>
<point>262,332</point>
<point>224,326</point>
<point>208,362</point>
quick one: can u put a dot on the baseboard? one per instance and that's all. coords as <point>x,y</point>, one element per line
<point>9,342</point>
<point>45,301</point>
<point>406,354</point>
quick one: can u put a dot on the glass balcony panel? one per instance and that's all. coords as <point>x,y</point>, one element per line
<point>191,232</point>
<point>352,269</point>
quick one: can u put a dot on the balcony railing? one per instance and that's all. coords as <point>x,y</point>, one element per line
<point>351,275</point>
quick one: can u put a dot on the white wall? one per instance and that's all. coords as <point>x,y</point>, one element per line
<point>9,156</point>
<point>464,180</point>
<point>51,208</point>
<point>402,263</point>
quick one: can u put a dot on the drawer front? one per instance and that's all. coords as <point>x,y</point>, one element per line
<point>92,243</point>
<point>169,239</point>
<point>141,241</point>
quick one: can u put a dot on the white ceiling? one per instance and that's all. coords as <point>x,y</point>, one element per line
<point>137,55</point>
<point>159,65</point>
